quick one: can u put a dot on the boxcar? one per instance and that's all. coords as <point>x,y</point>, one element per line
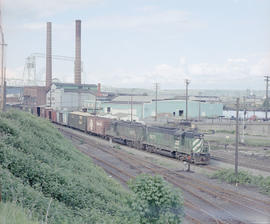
<point>62,117</point>
<point>42,112</point>
<point>54,116</point>
<point>34,109</point>
<point>78,120</point>
<point>48,113</point>
<point>97,125</point>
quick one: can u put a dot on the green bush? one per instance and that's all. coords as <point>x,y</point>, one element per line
<point>243,177</point>
<point>38,164</point>
<point>155,200</point>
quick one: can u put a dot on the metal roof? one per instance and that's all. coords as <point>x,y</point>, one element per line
<point>85,114</point>
<point>72,85</point>
<point>135,99</point>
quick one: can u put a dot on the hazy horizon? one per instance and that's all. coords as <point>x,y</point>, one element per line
<point>216,44</point>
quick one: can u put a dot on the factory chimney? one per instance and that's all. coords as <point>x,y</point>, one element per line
<point>77,78</point>
<point>49,56</point>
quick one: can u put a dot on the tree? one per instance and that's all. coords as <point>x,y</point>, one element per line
<point>156,201</point>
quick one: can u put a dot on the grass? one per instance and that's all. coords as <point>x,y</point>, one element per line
<point>225,131</point>
<point>245,178</point>
<point>38,167</point>
<point>10,213</point>
<point>248,140</point>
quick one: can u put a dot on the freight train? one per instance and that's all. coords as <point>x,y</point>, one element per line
<point>174,142</point>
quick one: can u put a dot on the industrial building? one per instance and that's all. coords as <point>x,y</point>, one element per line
<point>142,107</point>
<point>34,95</point>
<point>69,96</point>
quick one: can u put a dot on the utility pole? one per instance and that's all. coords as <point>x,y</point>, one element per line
<point>236,139</point>
<point>254,98</point>
<point>95,104</point>
<point>200,106</point>
<point>187,83</point>
<point>266,78</point>
<point>244,118</point>
<point>131,108</point>
<point>156,114</point>
<point>3,76</point>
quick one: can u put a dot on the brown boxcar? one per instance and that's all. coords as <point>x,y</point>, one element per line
<point>54,116</point>
<point>48,113</point>
<point>98,125</point>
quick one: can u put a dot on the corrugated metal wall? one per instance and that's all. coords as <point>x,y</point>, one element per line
<point>168,107</point>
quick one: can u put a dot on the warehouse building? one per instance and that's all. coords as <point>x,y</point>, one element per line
<point>69,96</point>
<point>143,107</point>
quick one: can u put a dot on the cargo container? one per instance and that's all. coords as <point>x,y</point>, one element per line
<point>78,120</point>
<point>54,116</point>
<point>62,117</point>
<point>48,113</point>
<point>97,125</point>
<point>42,112</point>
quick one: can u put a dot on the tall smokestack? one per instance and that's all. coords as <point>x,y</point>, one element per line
<point>77,77</point>
<point>49,56</point>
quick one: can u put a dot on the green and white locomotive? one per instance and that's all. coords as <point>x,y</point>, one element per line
<point>183,145</point>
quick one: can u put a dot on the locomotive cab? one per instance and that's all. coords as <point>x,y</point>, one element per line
<point>200,150</point>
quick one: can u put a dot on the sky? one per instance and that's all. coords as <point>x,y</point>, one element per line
<point>216,44</point>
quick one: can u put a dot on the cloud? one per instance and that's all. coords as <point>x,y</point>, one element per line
<point>156,19</point>
<point>237,73</point>
<point>41,8</point>
<point>34,26</point>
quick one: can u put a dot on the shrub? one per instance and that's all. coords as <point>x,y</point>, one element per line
<point>228,175</point>
<point>155,200</point>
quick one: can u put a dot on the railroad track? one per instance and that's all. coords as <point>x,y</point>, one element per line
<point>250,165</point>
<point>183,181</point>
<point>119,173</point>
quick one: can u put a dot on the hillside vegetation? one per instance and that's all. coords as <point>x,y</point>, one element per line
<point>10,213</point>
<point>41,171</point>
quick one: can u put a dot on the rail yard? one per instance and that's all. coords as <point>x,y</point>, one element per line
<point>206,201</point>
<point>161,116</point>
